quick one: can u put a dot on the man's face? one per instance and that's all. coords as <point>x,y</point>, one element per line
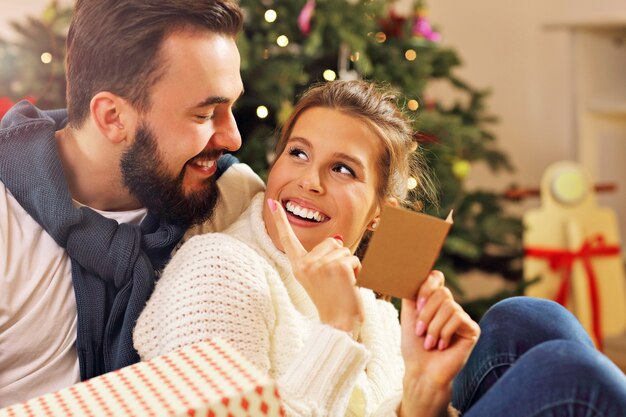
<point>170,165</point>
<point>145,175</point>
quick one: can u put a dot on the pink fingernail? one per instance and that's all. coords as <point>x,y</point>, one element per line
<point>420,304</point>
<point>429,342</point>
<point>271,204</point>
<point>442,345</point>
<point>338,237</point>
<point>420,328</point>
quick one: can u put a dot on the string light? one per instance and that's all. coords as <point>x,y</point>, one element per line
<point>329,75</point>
<point>355,57</point>
<point>46,57</point>
<point>411,183</point>
<point>413,105</point>
<point>270,16</point>
<point>381,37</point>
<point>410,55</point>
<point>262,112</point>
<point>282,41</point>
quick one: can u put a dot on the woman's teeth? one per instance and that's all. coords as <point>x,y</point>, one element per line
<point>304,213</point>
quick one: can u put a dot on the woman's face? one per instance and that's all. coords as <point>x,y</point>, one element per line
<point>326,178</point>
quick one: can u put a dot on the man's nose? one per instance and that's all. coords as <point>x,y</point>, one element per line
<point>227,135</point>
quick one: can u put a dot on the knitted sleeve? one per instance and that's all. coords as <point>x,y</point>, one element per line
<point>212,287</point>
<point>379,391</point>
<point>322,377</point>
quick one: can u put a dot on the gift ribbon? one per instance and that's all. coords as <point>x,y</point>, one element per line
<point>562,259</point>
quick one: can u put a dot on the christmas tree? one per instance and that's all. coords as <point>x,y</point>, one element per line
<point>289,44</point>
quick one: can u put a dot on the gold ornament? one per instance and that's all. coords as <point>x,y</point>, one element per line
<point>461,168</point>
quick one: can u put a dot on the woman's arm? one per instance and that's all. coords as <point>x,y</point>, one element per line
<point>323,374</point>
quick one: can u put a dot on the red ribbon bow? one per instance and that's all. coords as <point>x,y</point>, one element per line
<point>562,259</point>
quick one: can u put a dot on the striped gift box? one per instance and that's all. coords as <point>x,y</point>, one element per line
<point>206,379</point>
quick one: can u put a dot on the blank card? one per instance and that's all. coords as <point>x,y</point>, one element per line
<point>402,251</point>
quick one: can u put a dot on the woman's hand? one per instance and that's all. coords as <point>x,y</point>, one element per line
<point>437,339</point>
<point>327,273</point>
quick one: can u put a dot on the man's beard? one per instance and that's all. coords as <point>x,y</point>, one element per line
<point>145,175</point>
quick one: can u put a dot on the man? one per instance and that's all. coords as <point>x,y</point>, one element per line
<point>93,200</point>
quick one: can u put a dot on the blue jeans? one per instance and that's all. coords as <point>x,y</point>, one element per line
<point>534,359</point>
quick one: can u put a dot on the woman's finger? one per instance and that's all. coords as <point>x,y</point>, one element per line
<point>443,314</point>
<point>326,247</point>
<point>429,308</point>
<point>434,281</point>
<point>288,239</point>
<point>461,324</point>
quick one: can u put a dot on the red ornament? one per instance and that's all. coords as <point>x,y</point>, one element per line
<point>392,26</point>
<point>305,16</point>
<point>5,105</point>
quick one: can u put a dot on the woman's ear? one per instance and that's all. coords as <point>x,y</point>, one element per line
<point>373,224</point>
<point>112,115</point>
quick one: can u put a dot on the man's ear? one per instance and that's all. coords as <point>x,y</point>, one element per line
<point>112,115</point>
<point>373,224</point>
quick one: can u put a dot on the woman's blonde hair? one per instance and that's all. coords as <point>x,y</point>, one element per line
<point>377,106</point>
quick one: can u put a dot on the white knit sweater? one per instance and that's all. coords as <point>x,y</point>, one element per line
<point>236,285</point>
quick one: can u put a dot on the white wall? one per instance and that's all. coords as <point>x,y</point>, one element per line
<point>506,47</point>
<point>11,10</point>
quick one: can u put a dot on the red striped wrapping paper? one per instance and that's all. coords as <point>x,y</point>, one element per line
<point>206,379</point>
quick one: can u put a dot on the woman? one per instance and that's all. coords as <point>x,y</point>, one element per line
<point>279,285</point>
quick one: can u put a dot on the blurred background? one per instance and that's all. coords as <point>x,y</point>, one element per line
<point>499,91</point>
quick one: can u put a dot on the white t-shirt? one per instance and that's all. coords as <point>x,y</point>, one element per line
<point>37,304</point>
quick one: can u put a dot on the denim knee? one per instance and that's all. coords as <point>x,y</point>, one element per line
<point>554,378</point>
<point>570,359</point>
<point>580,368</point>
<point>533,320</point>
<point>510,329</point>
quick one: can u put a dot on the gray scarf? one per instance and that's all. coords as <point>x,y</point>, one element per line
<point>113,265</point>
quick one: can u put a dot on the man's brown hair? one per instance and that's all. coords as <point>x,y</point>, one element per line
<point>113,45</point>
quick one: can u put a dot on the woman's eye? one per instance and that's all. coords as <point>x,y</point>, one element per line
<point>344,169</point>
<point>298,153</point>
